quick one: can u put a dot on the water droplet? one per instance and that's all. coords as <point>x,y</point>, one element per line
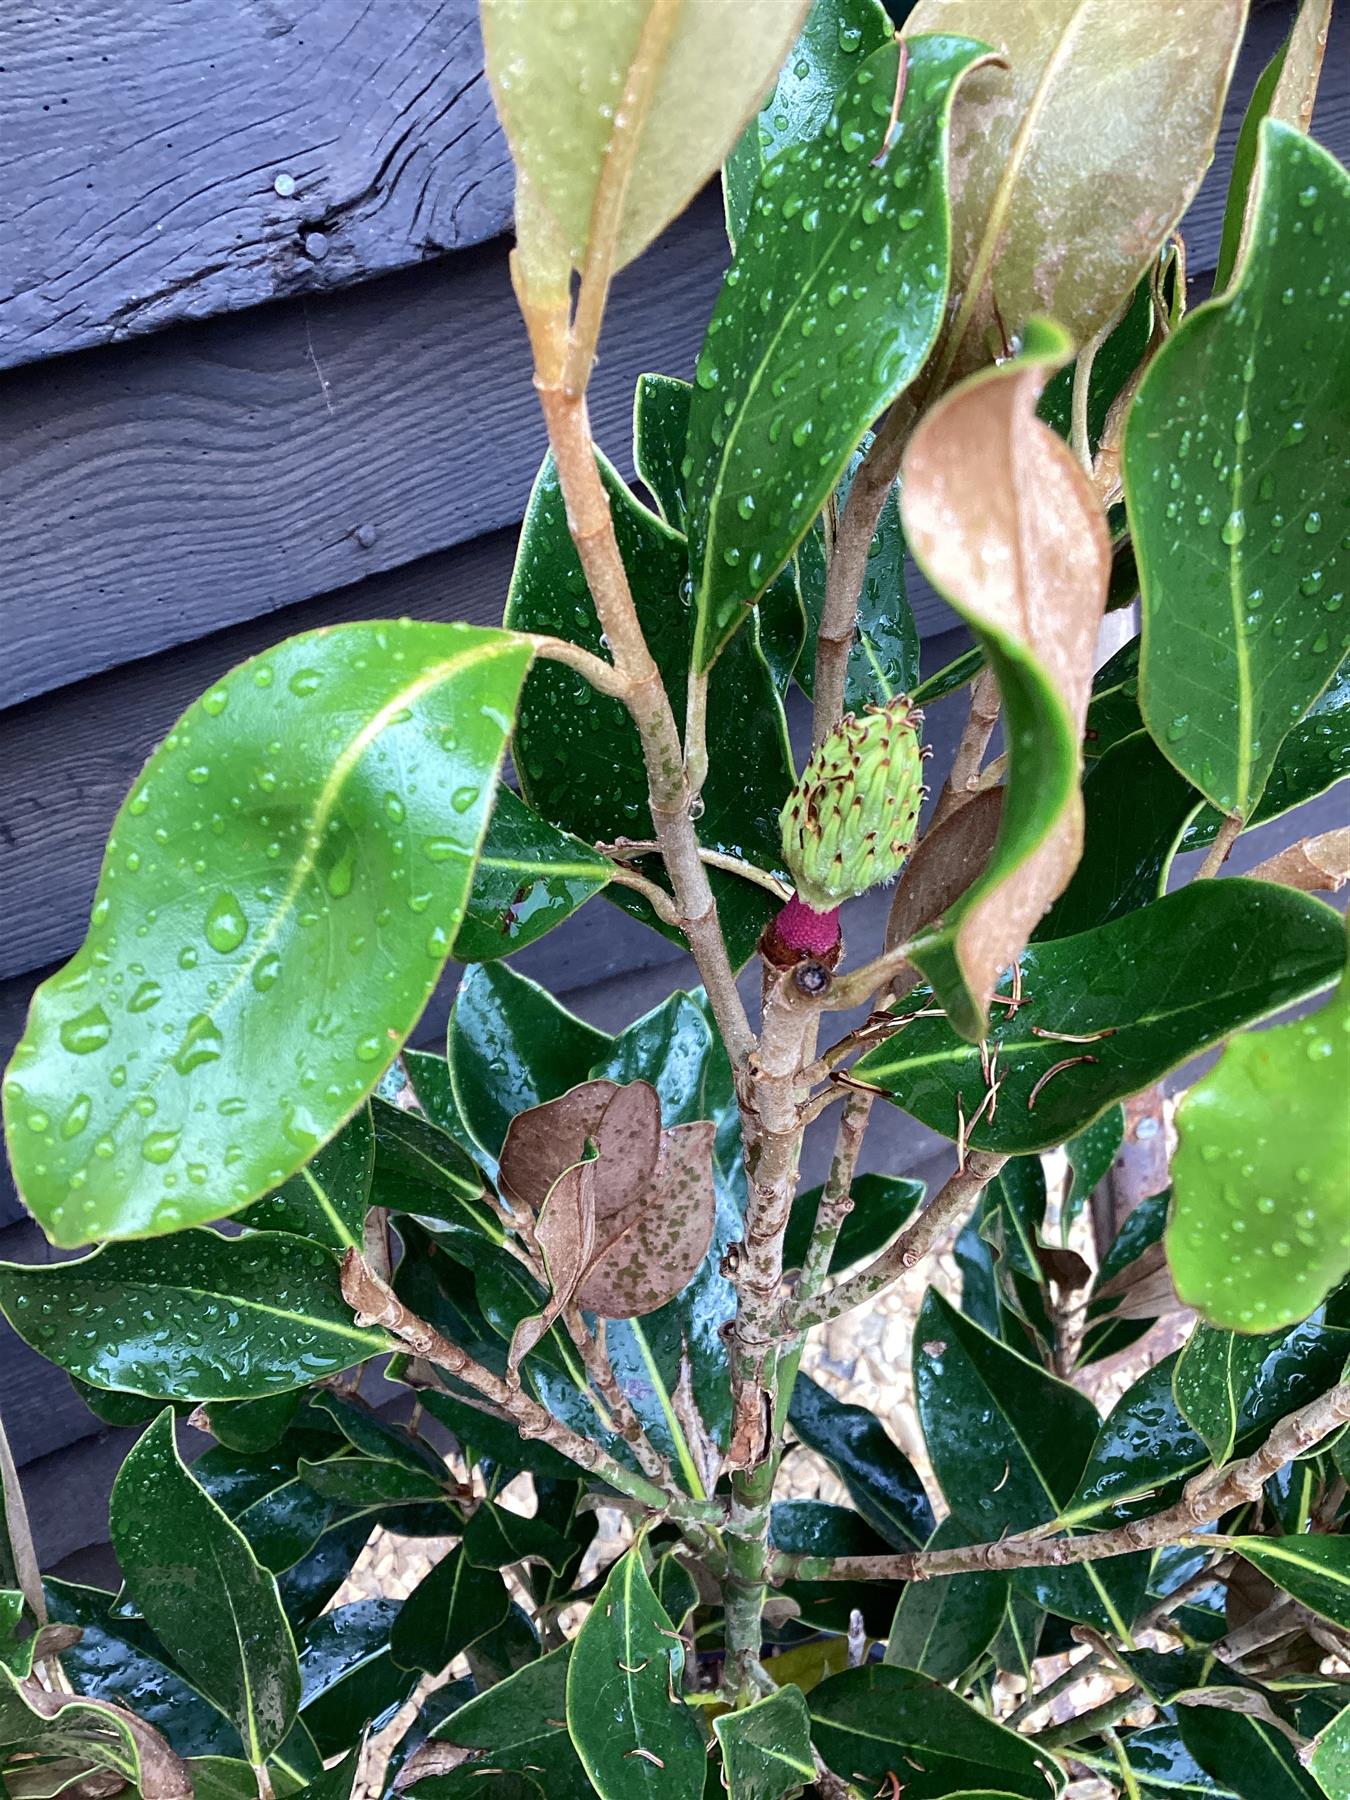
<point>394,808</point>
<point>203,1043</point>
<point>1234,527</point>
<point>215,700</point>
<point>148,994</point>
<point>463,798</point>
<point>266,973</point>
<point>1178,727</point>
<point>226,925</point>
<point>77,1116</point>
<point>87,1031</point>
<point>159,1146</point>
<point>304,681</point>
<point>370,1049</point>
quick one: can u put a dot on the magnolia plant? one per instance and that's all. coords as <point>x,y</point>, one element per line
<point>954,323</point>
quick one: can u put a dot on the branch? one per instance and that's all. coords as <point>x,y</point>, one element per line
<point>985,705</point>
<point>602,676</point>
<point>1228,835</point>
<point>835,1200</point>
<point>948,1205</point>
<point>376,1303</point>
<point>623,848</point>
<point>1206,1498</point>
<point>15,1528</point>
<point>1316,865</point>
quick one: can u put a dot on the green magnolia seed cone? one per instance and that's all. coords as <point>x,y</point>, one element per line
<point>850,821</point>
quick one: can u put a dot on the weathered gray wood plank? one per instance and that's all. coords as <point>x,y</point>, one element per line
<point>159,490</point>
<point>166,161</point>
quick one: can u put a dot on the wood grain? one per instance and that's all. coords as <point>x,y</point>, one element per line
<point>168,161</point>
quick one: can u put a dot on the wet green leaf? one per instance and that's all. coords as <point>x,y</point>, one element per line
<point>619,114</point>
<point>1114,363</point>
<point>881,1205</point>
<point>324,795</point>
<point>882,1482</point>
<point>813,1528</point>
<point>495,1536</point>
<point>1091,1155</point>
<point>1020,1467</point>
<point>512,1046</point>
<point>251,1425</point>
<point>195,1317</point>
<point>1260,1229</point>
<point>1003,521</point>
<point>1239,506</point>
<point>419,1170</point>
<point>837,35</point>
<point>530,877</point>
<point>633,1734</point>
<point>350,1680</point>
<point>1330,1759</point>
<point>1235,952</point>
<point>1135,810</point>
<point>943,1627</point>
<point>877,1720</point>
<point>326,1199</point>
<point>660,426</point>
<point>369,1483</point>
<point>199,1588</point>
<point>828,312</point>
<point>1315,1569</point>
<point>1212,1377</point>
<point>481,1434</point>
<point>1077,156</point>
<point>766,1748</point>
<point>450,1607</point>
<point>1128,1276</point>
<point>578,754</point>
<point>517,1725</point>
<point>373,1434</point>
<point>1246,1754</point>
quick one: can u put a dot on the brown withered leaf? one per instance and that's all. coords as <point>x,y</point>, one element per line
<point>1004,522</point>
<point>566,1235</point>
<point>1315,864</point>
<point>650,1248</point>
<point>163,1774</point>
<point>623,1123</point>
<point>1072,163</point>
<point>945,864</point>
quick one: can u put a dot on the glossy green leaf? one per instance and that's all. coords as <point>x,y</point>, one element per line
<point>350,1680</point>
<point>1330,1759</point>
<point>502,1651</point>
<point>482,1434</point>
<point>530,877</point>
<point>882,1482</point>
<point>450,1607</point>
<point>1136,807</point>
<point>337,1783</point>
<point>1163,1767</point>
<point>1146,1449</point>
<point>1314,1569</point>
<point>813,1528</point>
<point>621,115</point>
<point>517,1725</point>
<point>837,35</point>
<point>578,754</point>
<point>951,678</point>
<point>200,1589</point>
<point>1313,758</point>
<point>1091,1155</point>
<point>1243,562</point>
<point>1213,1375</point>
<point>308,1585</point>
<point>1115,361</point>
<point>327,794</point>
<point>660,426</point>
<point>368,1483</point>
<point>1234,951</point>
<point>1003,521</point>
<point>766,1748</point>
<point>419,1170</point>
<point>881,1205</point>
<point>1122,1305</point>
<point>1246,1754</point>
<point>675,1588</point>
<point>633,1735</point>
<point>373,1434</point>
<point>828,313</point>
<point>1260,1228</point>
<point>943,1627</point>
<point>326,1199</point>
<point>511,1046</point>
<point>195,1317</point>
<point>1020,1468</point>
<point>1113,709</point>
<point>877,1720</point>
<point>251,1425</point>
<point>496,1536</point>
<point>1077,156</point>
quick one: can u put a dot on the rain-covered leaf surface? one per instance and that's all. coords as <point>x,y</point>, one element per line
<point>577,752</point>
<point>1211,1379</point>
<point>877,1719</point>
<point>1247,1755</point>
<point>1003,521</point>
<point>766,1748</point>
<point>278,898</point>
<point>942,1627</point>
<point>452,1605</point>
<point>881,1480</point>
<point>1260,1228</point>
<point>325,1200</point>
<point>840,249</point>
<point>199,1588</point>
<point>193,1317</point>
<point>636,1738</point>
<point>1315,1569</point>
<point>625,106</point>
<point>348,1678</point>
<point>1077,156</point>
<point>1236,465</point>
<point>530,877</point>
<point>1021,1466</point>
<point>881,1205</point>
<point>1146,992</point>
<point>837,36</point>
<point>519,1724</point>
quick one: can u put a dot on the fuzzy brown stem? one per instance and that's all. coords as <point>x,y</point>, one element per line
<point>835,1200</point>
<point>376,1303</point>
<point>1207,1498</point>
<point>948,1205</point>
<point>601,1371</point>
<point>961,783</point>
<point>14,1525</point>
<point>1219,850</point>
